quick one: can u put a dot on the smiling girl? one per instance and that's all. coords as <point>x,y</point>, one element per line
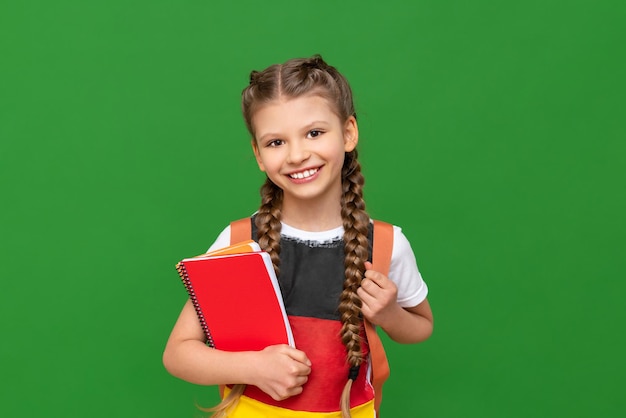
<point>312,221</point>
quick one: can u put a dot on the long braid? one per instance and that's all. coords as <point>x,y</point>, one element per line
<point>268,221</point>
<point>355,224</point>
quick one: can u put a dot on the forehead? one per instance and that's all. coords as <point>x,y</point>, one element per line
<point>292,113</point>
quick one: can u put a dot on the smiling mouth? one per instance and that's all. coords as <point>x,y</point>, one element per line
<point>304,174</point>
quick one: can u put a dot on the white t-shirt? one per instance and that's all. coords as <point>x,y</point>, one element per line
<point>403,271</point>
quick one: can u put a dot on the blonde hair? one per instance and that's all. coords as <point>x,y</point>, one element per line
<point>295,78</point>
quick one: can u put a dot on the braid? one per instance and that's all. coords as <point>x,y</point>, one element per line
<point>355,224</point>
<point>268,221</point>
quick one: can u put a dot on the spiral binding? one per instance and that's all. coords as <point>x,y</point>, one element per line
<point>182,272</point>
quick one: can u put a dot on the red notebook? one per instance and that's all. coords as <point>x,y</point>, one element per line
<point>237,299</point>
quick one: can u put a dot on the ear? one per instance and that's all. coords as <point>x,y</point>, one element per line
<point>350,134</point>
<point>257,155</point>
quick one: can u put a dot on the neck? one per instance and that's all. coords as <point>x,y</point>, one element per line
<point>313,216</point>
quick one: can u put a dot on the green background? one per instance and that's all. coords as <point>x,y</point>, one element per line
<point>492,132</point>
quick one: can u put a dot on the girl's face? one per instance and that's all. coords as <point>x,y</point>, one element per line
<point>300,144</point>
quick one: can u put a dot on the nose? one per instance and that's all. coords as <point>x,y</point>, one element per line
<point>298,153</point>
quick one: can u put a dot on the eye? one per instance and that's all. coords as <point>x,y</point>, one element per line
<point>314,133</point>
<point>275,143</point>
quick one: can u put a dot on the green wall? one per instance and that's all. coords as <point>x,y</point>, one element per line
<point>492,132</point>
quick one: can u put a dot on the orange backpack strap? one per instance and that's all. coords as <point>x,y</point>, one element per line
<point>381,261</point>
<point>240,230</point>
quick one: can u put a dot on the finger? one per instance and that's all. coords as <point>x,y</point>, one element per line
<point>369,286</point>
<point>302,380</point>
<point>295,391</point>
<point>366,296</point>
<point>296,386</point>
<point>375,277</point>
<point>299,356</point>
<point>366,303</point>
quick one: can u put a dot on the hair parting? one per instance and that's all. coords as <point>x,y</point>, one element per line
<point>295,78</point>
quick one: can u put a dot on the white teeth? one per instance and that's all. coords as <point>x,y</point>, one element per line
<point>303,174</point>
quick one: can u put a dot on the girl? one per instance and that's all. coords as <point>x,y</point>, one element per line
<point>312,221</point>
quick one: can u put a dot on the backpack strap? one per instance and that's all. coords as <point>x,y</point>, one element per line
<point>240,230</point>
<point>381,261</point>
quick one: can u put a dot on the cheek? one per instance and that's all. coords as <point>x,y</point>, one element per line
<point>340,155</point>
<point>268,161</point>
<point>259,160</point>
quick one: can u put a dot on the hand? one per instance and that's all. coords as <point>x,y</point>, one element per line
<point>281,371</point>
<point>378,296</point>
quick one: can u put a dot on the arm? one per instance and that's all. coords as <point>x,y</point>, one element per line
<point>379,305</point>
<point>280,371</point>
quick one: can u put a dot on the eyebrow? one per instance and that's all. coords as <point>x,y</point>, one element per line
<point>314,123</point>
<point>308,126</point>
<point>267,136</point>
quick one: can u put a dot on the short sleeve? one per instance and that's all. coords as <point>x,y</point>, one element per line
<point>412,289</point>
<point>223,240</point>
